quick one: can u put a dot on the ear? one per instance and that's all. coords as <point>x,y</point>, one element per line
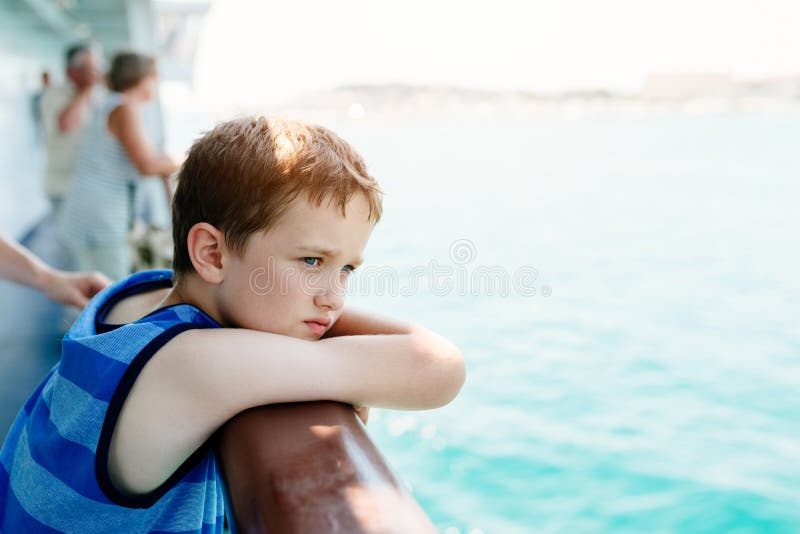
<point>206,250</point>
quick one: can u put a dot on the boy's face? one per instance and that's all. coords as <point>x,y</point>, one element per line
<point>291,279</point>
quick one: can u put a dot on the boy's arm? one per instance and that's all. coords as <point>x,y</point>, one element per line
<point>354,321</point>
<point>202,378</point>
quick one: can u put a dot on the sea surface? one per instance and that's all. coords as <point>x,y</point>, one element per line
<point>626,294</point>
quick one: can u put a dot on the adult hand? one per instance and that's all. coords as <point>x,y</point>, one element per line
<point>176,161</point>
<point>85,76</point>
<point>73,289</point>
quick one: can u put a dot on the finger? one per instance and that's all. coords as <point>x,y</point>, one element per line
<point>77,298</point>
<point>99,281</point>
<point>92,284</point>
<point>94,289</point>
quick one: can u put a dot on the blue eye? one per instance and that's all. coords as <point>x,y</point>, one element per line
<point>348,268</point>
<point>311,261</point>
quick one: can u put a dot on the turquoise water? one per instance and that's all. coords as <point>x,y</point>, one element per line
<point>650,384</point>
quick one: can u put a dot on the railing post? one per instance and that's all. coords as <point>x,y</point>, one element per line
<point>311,468</point>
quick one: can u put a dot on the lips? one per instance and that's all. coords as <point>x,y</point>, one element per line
<point>318,326</point>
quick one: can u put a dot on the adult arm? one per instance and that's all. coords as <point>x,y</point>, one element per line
<point>205,377</point>
<point>73,114</point>
<point>124,123</point>
<point>21,266</point>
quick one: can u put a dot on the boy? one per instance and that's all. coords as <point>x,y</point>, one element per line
<point>269,219</point>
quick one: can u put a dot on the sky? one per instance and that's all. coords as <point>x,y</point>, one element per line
<point>262,50</point>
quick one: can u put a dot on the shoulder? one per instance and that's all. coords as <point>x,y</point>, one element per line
<point>119,109</point>
<point>122,116</point>
<point>133,308</point>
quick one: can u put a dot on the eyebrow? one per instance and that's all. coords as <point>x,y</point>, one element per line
<point>327,252</point>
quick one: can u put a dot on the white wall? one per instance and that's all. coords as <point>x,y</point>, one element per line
<point>25,50</point>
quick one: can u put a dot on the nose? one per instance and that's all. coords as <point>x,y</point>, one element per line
<point>329,298</point>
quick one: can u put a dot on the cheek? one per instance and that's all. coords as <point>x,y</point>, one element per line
<point>260,312</point>
<point>269,297</point>
<point>275,310</point>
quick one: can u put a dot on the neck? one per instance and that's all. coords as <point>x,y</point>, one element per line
<point>195,291</point>
<point>131,96</point>
<point>81,88</point>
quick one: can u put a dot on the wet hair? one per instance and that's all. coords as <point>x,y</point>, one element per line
<point>128,69</point>
<point>243,175</point>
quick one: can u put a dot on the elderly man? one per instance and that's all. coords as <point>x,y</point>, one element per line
<point>65,111</point>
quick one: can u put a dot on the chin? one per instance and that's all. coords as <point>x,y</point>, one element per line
<point>296,334</point>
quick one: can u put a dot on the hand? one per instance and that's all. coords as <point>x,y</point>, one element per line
<point>86,77</point>
<point>172,165</point>
<point>362,412</point>
<point>73,289</point>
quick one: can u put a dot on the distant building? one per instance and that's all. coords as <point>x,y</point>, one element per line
<point>687,86</point>
<point>778,87</point>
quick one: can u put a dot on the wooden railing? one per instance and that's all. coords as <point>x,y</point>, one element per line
<point>311,468</point>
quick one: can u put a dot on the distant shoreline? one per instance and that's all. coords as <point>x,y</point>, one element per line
<point>397,102</point>
<point>402,101</point>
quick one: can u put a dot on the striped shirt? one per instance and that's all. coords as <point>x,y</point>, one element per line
<point>54,463</point>
<point>99,206</point>
<point>63,148</point>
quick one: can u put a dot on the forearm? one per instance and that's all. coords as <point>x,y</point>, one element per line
<point>361,328</point>
<point>354,321</point>
<point>125,124</point>
<point>158,164</point>
<point>210,375</point>
<point>418,370</point>
<point>226,371</point>
<point>21,266</point>
<point>72,115</point>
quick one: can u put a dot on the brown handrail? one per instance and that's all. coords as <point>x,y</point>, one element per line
<point>310,467</point>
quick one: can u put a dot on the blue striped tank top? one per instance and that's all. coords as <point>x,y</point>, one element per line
<point>53,464</point>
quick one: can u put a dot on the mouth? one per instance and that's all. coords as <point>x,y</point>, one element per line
<point>318,326</point>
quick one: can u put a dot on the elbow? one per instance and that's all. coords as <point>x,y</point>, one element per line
<point>459,374</point>
<point>445,373</point>
<point>454,375</point>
